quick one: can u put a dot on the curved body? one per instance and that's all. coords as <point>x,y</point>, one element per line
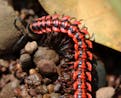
<point>82,65</point>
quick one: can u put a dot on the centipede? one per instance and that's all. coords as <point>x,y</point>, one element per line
<point>74,45</point>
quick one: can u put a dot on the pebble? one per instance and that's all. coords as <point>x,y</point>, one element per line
<point>42,89</point>
<point>50,88</point>
<point>46,96</point>
<point>25,60</point>
<point>55,95</point>
<point>33,79</point>
<point>32,71</point>
<point>46,66</point>
<point>17,92</point>
<point>57,87</point>
<point>32,92</point>
<point>24,91</point>
<point>30,47</point>
<point>19,74</point>
<point>113,80</point>
<point>66,76</point>
<point>8,33</point>
<point>47,81</point>
<point>7,91</point>
<point>5,79</point>
<point>38,96</point>
<point>4,63</point>
<point>46,54</point>
<point>105,92</point>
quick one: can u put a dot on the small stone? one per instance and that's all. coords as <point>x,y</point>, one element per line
<point>42,89</point>
<point>25,58</point>
<point>24,94</point>
<point>30,47</point>
<point>50,88</point>
<point>4,63</point>
<point>39,96</point>
<point>32,71</point>
<point>47,66</point>
<point>55,95</point>
<point>46,54</point>
<point>47,81</point>
<point>105,92</point>
<point>66,76</point>
<point>12,67</point>
<point>6,78</point>
<point>32,92</point>
<point>3,69</point>
<point>8,33</point>
<point>7,91</point>
<point>57,87</point>
<point>18,66</point>
<point>17,92</point>
<point>46,96</point>
<point>33,79</point>
<point>26,61</point>
<point>24,91</point>
<point>19,74</point>
<point>22,51</point>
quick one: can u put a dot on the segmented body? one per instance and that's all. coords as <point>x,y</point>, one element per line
<point>82,74</point>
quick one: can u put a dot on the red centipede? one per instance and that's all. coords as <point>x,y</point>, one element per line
<point>82,75</point>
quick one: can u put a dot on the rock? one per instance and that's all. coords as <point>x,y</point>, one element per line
<point>45,53</point>
<point>55,95</point>
<point>32,71</point>
<point>32,92</point>
<point>33,79</point>
<point>105,92</point>
<point>4,63</point>
<point>66,76</point>
<point>24,92</point>
<point>7,91</point>
<point>30,47</point>
<point>25,58</point>
<point>38,96</point>
<point>42,89</point>
<point>46,96</point>
<point>57,87</point>
<point>5,79</point>
<point>50,88</point>
<point>117,92</point>
<point>26,61</point>
<point>47,81</point>
<point>8,33</point>
<point>20,74</point>
<point>46,66</point>
<point>113,80</point>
